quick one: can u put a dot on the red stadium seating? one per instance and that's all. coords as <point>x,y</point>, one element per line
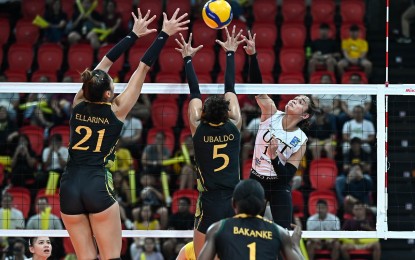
<point>221,78</point>
<point>284,99</point>
<point>185,113</point>
<point>328,196</point>
<point>268,78</point>
<point>50,57</point>
<point>191,194</point>
<point>264,10</point>
<point>293,10</point>
<point>117,66</point>
<point>21,199</point>
<point>172,5</point>
<point>266,35</point>
<point>315,31</point>
<point>292,60</point>
<point>323,173</point>
<point>36,137</point>
<point>205,36</point>
<point>125,8</point>
<point>352,11</point>
<point>239,25</point>
<point>26,32</point>
<point>204,60</point>
<point>291,78</point>
<point>165,77</point>
<point>20,57</point>
<point>171,42</point>
<point>170,61</point>
<point>67,8</point>
<point>246,169</point>
<point>169,140</point>
<point>298,203</point>
<point>323,11</point>
<point>135,54</point>
<point>164,114</point>
<point>16,76</point>
<point>345,31</point>
<point>64,131</point>
<point>31,8</point>
<point>293,35</point>
<point>240,58</point>
<point>5,31</point>
<point>315,78</point>
<point>266,60</point>
<point>80,57</point>
<point>346,76</point>
<point>204,78</point>
<point>155,6</point>
<point>75,75</point>
<point>51,76</point>
<point>53,201</point>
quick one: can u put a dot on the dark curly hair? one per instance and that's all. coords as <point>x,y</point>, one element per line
<point>215,109</point>
<point>249,197</point>
<point>95,83</point>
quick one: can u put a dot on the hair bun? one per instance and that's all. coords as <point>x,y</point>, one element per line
<point>86,76</point>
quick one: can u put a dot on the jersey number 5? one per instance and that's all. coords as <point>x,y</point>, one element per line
<point>216,154</point>
<point>88,134</point>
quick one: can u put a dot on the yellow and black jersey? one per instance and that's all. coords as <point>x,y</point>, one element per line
<point>246,237</point>
<point>217,148</point>
<point>94,133</point>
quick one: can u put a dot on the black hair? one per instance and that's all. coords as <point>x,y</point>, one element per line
<point>95,83</point>
<point>311,111</point>
<point>249,197</point>
<point>354,28</point>
<point>32,240</point>
<point>320,201</point>
<point>324,26</point>
<point>215,109</point>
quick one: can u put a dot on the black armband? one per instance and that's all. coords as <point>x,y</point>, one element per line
<point>121,46</point>
<point>154,50</point>
<point>191,78</point>
<point>230,72</point>
<point>284,172</point>
<point>254,71</point>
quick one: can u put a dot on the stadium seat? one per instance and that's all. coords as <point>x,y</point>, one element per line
<point>284,99</point>
<point>315,31</point>
<point>239,25</point>
<point>266,60</point>
<point>64,131</point>
<point>264,10</point>
<point>323,173</point>
<point>204,60</point>
<point>36,137</point>
<point>298,203</point>
<point>204,78</point>
<point>163,77</point>
<point>292,60</point>
<point>49,57</point>
<point>67,8</point>
<point>135,54</point>
<point>328,196</point>
<point>26,32</point>
<point>125,8</point>
<point>172,5</point>
<point>240,59</point>
<point>171,42</point>
<point>16,76</point>
<point>20,57</point>
<point>31,8</point>
<point>5,31</point>
<point>80,57</point>
<point>37,75</point>
<point>315,77</point>
<point>291,78</point>
<point>266,35</point>
<point>345,31</point>
<point>75,75</point>
<point>156,7</point>
<point>347,74</point>
<point>293,35</point>
<point>352,11</point>
<point>221,78</point>
<point>268,78</point>
<point>193,195</point>
<point>184,134</point>
<point>21,199</point>
<point>117,66</point>
<point>205,36</point>
<point>246,169</point>
<point>170,61</point>
<point>164,114</point>
<point>293,10</point>
<point>169,140</point>
<point>322,11</point>
<point>185,113</point>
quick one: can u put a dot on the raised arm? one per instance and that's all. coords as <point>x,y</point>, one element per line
<point>230,46</point>
<point>254,71</point>
<point>139,29</point>
<point>195,105</point>
<point>125,101</point>
<point>291,244</point>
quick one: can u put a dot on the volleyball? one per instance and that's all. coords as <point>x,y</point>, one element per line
<point>217,14</point>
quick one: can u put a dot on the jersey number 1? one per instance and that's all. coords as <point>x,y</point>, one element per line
<point>252,251</point>
<point>88,134</point>
<point>216,154</point>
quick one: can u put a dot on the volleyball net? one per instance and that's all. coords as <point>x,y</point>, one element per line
<point>392,195</point>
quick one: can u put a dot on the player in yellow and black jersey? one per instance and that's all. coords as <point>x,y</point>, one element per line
<point>215,127</point>
<point>89,209</point>
<point>248,236</point>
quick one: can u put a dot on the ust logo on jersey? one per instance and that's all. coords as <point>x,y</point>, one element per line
<point>295,141</point>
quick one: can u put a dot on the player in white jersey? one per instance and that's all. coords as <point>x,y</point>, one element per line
<point>280,144</point>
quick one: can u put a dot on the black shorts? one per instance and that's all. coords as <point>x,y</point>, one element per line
<point>212,206</point>
<point>279,197</point>
<point>85,190</point>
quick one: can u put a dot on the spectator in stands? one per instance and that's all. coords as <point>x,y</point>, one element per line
<point>354,52</point>
<point>328,103</point>
<point>324,51</point>
<point>183,219</point>
<point>356,188</point>
<point>57,20</point>
<point>358,127</point>
<point>82,24</point>
<point>360,222</point>
<point>123,161</point>
<point>55,156</point>
<point>322,136</point>
<point>154,154</point>
<point>15,219</point>
<point>122,192</point>
<point>406,19</point>
<point>10,101</point>
<point>356,154</point>
<point>17,250</point>
<point>43,218</point>
<point>8,131</point>
<point>112,20</point>
<point>130,136</point>
<point>142,108</point>
<point>61,104</point>
<point>23,162</point>
<point>187,172</point>
<point>37,111</point>
<point>146,250</point>
<point>323,221</point>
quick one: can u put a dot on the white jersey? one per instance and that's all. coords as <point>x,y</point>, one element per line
<point>288,143</point>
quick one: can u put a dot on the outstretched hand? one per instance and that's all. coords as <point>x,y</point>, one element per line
<point>231,43</point>
<point>250,43</point>
<point>141,23</point>
<point>175,24</point>
<point>186,48</point>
